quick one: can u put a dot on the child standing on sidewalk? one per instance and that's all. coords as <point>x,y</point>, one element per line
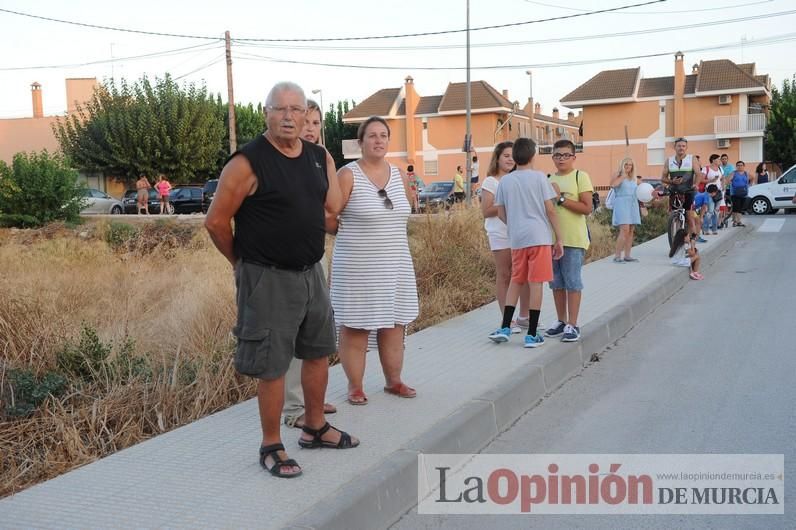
<point>574,203</point>
<point>524,201</point>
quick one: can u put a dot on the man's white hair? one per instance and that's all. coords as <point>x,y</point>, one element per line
<point>284,86</point>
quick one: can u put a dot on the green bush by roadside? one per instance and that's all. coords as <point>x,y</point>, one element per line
<point>38,188</point>
<point>652,226</point>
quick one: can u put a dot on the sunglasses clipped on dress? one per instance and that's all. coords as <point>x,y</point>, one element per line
<point>387,202</point>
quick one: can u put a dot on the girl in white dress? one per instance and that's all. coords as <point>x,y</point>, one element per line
<point>501,164</point>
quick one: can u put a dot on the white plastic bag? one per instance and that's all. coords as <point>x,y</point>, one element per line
<point>609,199</point>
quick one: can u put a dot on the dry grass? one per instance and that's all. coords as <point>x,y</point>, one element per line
<point>175,305</point>
<point>161,299</point>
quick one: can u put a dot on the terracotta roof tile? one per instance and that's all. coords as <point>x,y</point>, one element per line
<point>656,86</point>
<point>378,104</point>
<point>690,84</point>
<point>608,84</point>
<point>749,68</point>
<point>482,96</point>
<point>428,105</point>
<point>723,74</point>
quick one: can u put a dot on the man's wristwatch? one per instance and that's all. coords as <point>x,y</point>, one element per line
<point>561,199</point>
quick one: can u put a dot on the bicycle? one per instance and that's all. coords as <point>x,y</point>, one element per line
<point>677,217</point>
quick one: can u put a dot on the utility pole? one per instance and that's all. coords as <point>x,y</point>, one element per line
<point>233,141</point>
<point>113,72</point>
<point>468,136</point>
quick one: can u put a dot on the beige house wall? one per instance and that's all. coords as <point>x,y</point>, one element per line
<point>26,134</point>
<point>79,91</point>
<point>36,134</point>
<point>605,123</point>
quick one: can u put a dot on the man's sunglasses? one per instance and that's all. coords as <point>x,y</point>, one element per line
<point>387,201</point>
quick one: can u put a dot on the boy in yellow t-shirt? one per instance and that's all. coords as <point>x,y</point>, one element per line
<point>574,203</point>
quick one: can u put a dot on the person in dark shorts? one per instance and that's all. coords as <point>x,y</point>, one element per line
<point>279,189</point>
<point>739,191</point>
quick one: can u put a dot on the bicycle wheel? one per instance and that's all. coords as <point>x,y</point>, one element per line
<point>675,223</point>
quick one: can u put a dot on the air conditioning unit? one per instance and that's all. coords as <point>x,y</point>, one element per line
<point>545,149</point>
<point>726,99</point>
<point>723,143</point>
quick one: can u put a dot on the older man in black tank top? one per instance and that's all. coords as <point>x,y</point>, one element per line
<point>279,189</point>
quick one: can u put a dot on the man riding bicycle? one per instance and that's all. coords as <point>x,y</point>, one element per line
<point>683,173</point>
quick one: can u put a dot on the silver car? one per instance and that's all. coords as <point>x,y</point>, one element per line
<point>100,202</point>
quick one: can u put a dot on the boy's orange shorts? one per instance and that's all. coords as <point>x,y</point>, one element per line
<point>532,264</point>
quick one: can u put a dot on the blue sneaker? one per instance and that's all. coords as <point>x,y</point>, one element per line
<point>701,239</point>
<point>501,335</point>
<point>571,334</point>
<point>555,329</point>
<point>533,341</point>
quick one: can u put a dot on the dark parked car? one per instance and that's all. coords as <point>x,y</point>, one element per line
<point>210,192</point>
<point>130,201</point>
<point>187,199</point>
<point>436,195</point>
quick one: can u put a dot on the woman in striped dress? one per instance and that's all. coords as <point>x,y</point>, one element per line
<point>373,280</point>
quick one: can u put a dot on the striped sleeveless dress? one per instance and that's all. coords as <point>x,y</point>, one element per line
<point>373,279</point>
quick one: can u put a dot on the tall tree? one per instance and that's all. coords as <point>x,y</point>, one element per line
<point>249,123</point>
<point>781,129</point>
<point>145,128</point>
<point>336,131</point>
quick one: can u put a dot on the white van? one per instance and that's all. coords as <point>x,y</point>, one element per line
<point>771,196</point>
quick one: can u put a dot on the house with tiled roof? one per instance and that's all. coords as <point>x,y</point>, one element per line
<point>720,107</point>
<point>428,131</point>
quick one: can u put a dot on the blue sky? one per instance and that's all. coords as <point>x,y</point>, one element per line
<point>28,42</point>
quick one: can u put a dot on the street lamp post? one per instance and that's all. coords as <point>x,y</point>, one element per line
<point>530,84</point>
<point>468,136</point>
<point>323,128</point>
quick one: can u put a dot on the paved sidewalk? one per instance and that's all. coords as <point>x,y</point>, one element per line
<point>207,474</point>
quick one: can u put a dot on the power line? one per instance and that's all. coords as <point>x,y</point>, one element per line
<point>330,39</point>
<point>166,53</point>
<point>109,28</point>
<point>776,39</point>
<point>720,8</point>
<point>451,31</point>
<point>519,43</point>
<point>199,69</point>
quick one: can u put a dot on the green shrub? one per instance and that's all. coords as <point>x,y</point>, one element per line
<point>27,392</point>
<point>652,226</point>
<point>119,235</point>
<point>93,361</point>
<point>38,188</point>
<point>86,359</point>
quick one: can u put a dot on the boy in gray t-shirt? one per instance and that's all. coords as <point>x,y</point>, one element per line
<point>524,201</point>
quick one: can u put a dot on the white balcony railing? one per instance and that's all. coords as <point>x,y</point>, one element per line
<point>750,123</point>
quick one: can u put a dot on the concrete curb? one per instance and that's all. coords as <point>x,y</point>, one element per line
<point>379,497</point>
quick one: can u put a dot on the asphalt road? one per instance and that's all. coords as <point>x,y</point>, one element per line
<point>710,371</point>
